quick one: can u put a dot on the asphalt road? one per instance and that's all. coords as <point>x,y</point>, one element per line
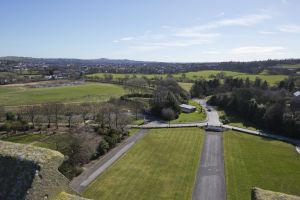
<point>210,180</point>
<point>212,114</point>
<point>81,182</point>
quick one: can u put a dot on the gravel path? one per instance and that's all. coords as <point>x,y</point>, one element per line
<point>81,182</point>
<point>210,179</point>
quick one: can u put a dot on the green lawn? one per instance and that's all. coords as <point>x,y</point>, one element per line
<point>133,131</point>
<point>205,74</point>
<point>186,86</point>
<point>162,165</point>
<point>197,116</point>
<point>18,95</point>
<point>254,161</point>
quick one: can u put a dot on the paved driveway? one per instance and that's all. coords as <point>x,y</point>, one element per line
<point>210,180</point>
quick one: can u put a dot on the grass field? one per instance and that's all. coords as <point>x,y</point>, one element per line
<point>21,95</point>
<point>162,165</point>
<point>197,116</point>
<point>186,86</point>
<point>297,66</point>
<point>54,142</point>
<point>133,131</point>
<point>205,74</point>
<point>25,139</point>
<point>254,161</point>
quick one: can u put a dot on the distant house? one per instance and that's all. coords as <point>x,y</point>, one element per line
<point>297,94</point>
<point>187,108</point>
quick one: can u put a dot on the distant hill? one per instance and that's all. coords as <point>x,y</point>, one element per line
<point>70,60</point>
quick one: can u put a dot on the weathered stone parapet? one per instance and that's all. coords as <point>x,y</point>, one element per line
<point>260,194</point>
<point>28,172</point>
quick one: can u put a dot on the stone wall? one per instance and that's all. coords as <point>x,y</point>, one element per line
<point>260,194</point>
<point>28,172</point>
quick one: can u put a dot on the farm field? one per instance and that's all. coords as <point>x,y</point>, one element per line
<point>162,165</point>
<point>205,74</point>
<point>197,116</point>
<point>255,161</point>
<point>88,92</point>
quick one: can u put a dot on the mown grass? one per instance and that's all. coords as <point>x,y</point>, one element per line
<point>197,116</point>
<point>254,161</point>
<point>96,92</point>
<point>205,74</point>
<point>162,165</point>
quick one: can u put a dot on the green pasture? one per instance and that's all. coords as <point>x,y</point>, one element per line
<point>205,74</point>
<point>88,92</point>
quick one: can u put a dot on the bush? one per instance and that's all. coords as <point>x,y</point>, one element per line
<point>15,126</point>
<point>103,147</point>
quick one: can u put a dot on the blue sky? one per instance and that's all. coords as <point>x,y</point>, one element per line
<point>154,30</point>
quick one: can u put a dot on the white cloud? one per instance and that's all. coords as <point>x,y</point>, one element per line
<point>286,2</point>
<point>248,20</point>
<point>245,20</point>
<point>257,50</point>
<point>171,37</point>
<point>221,14</point>
<point>267,32</point>
<point>290,28</point>
<point>127,38</point>
<point>210,52</point>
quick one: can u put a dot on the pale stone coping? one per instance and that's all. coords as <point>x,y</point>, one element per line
<point>260,194</point>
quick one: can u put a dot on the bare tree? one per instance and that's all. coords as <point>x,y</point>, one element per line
<point>85,110</point>
<point>57,110</point>
<point>136,85</point>
<point>69,111</point>
<point>2,113</point>
<point>31,113</point>
<point>47,110</point>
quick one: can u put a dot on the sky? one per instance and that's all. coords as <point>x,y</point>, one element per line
<point>151,30</point>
